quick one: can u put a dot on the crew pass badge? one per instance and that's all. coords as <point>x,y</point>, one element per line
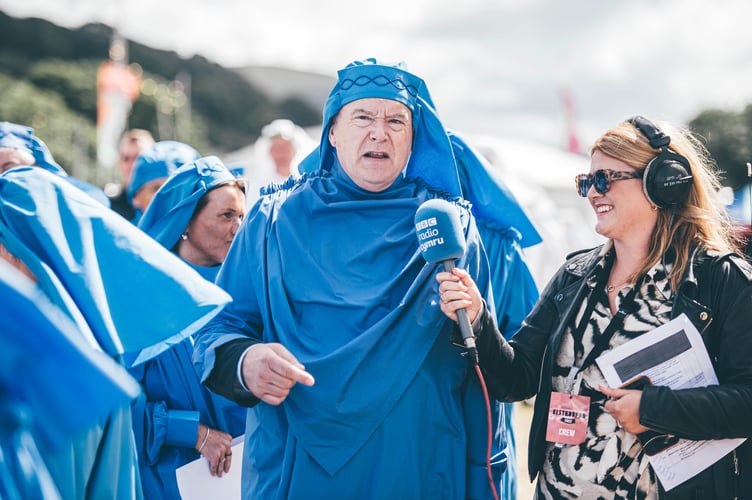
<point>567,418</point>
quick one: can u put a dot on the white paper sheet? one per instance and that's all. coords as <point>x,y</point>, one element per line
<point>195,482</point>
<point>672,355</point>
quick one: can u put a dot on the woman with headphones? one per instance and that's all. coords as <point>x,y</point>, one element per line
<point>670,250</point>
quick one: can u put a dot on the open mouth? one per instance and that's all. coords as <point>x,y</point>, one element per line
<point>376,155</point>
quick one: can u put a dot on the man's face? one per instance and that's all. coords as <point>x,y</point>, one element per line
<point>146,193</point>
<point>282,152</point>
<point>128,153</point>
<point>373,138</point>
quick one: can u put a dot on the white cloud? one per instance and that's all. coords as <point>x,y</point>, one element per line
<point>491,65</point>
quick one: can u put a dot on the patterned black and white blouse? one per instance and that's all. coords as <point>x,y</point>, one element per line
<point>610,464</point>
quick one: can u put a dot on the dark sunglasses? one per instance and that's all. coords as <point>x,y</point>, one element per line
<point>601,180</point>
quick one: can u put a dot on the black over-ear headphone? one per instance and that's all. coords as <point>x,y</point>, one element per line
<point>667,178</point>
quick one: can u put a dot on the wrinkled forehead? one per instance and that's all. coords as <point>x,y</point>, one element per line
<point>375,106</point>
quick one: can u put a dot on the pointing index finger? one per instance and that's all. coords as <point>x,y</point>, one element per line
<point>300,375</point>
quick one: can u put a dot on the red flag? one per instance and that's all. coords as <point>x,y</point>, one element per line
<point>573,143</point>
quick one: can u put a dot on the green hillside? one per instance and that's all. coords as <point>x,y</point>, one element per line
<point>48,81</point>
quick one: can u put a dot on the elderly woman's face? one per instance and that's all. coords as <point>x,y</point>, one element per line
<point>373,138</point>
<point>212,230</point>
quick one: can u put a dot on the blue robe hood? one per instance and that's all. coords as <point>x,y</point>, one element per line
<point>432,158</point>
<point>492,200</point>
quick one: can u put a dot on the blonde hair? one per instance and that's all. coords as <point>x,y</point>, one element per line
<point>702,220</point>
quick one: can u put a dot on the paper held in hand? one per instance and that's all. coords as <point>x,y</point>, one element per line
<point>195,482</point>
<point>672,355</point>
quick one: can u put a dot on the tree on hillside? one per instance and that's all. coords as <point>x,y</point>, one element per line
<point>728,137</point>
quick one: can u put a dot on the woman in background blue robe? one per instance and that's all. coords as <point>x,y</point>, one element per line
<point>98,269</point>
<point>166,417</point>
<point>333,272</point>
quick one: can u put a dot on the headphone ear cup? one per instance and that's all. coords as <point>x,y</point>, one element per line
<point>667,180</point>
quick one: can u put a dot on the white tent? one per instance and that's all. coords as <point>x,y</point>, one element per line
<point>542,179</point>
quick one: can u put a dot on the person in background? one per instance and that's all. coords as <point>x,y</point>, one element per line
<point>196,214</point>
<point>670,251</point>
<point>19,146</point>
<point>124,293</point>
<point>152,168</point>
<point>329,338</point>
<point>276,154</point>
<point>132,143</point>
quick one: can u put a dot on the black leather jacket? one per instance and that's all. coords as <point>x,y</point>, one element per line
<point>716,295</point>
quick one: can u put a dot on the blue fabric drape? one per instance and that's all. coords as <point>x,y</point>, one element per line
<point>53,385</point>
<point>107,267</point>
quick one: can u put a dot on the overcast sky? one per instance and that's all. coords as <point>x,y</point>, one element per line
<point>493,66</point>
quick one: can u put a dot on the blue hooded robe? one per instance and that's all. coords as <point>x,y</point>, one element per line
<point>167,415</point>
<point>98,269</point>
<point>334,273</point>
<point>17,136</point>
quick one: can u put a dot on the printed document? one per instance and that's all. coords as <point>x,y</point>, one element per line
<point>672,355</point>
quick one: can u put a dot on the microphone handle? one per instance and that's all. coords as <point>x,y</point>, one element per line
<point>465,328</point>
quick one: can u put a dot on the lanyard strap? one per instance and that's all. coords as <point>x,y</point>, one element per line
<point>626,306</point>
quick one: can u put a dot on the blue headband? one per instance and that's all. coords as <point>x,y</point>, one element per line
<point>158,162</point>
<point>432,159</point>
<point>172,207</point>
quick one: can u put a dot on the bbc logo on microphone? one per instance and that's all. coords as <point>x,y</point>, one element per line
<point>422,224</point>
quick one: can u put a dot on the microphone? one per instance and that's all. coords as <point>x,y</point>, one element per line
<point>441,240</point>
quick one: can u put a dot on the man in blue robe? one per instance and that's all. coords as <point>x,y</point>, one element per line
<point>334,336</point>
<point>124,293</point>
